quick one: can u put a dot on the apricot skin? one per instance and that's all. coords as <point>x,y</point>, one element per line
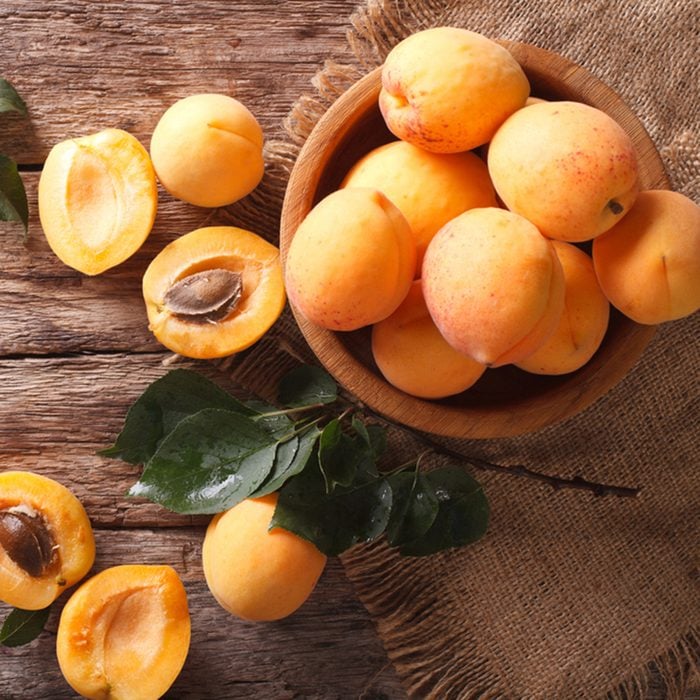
<point>649,264</point>
<point>351,261</point>
<point>125,633</point>
<point>207,150</point>
<point>583,323</point>
<point>97,199</point>
<point>413,356</point>
<point>256,573</point>
<point>429,189</point>
<point>69,527</point>
<point>226,247</point>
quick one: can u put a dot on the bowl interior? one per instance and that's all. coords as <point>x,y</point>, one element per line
<point>505,401</point>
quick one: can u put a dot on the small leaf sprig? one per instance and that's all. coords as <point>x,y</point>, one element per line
<point>23,626</point>
<point>203,451</point>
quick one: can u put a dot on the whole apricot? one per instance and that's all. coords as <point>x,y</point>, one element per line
<point>413,356</point>
<point>429,189</point>
<point>447,89</point>
<point>255,572</point>
<point>97,199</point>
<point>649,263</point>
<point>351,261</point>
<point>207,150</point>
<point>493,285</point>
<point>583,323</point>
<point>46,541</point>
<point>567,167</point>
<point>214,291</point>
<point>125,633</point>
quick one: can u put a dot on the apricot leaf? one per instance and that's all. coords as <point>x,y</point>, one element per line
<point>23,626</point>
<point>306,386</point>
<point>415,507</point>
<point>10,101</point>
<point>13,198</point>
<point>374,436</point>
<point>338,456</point>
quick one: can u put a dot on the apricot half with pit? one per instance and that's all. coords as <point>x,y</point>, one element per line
<point>214,291</point>
<point>125,633</point>
<point>46,541</point>
<point>97,199</point>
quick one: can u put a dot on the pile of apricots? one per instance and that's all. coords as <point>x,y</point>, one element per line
<point>457,242</point>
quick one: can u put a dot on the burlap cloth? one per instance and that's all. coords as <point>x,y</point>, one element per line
<point>568,595</point>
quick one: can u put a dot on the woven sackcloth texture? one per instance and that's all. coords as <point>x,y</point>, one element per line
<point>568,595</point>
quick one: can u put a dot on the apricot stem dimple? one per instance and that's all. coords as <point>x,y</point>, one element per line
<point>615,207</point>
<point>205,297</point>
<point>27,541</point>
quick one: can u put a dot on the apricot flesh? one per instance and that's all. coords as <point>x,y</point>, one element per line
<point>649,263</point>
<point>125,633</point>
<point>97,199</point>
<point>351,261</point>
<point>46,540</point>
<point>413,356</point>
<point>228,279</point>
<point>207,150</point>
<point>254,572</point>
<point>493,285</point>
<point>429,189</point>
<point>583,323</point>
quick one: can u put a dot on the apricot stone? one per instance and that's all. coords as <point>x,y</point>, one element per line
<point>254,572</point>
<point>97,199</point>
<point>125,633</point>
<point>583,323</point>
<point>448,89</point>
<point>46,541</point>
<point>428,188</point>
<point>214,291</point>
<point>351,261</point>
<point>493,285</point>
<point>413,356</point>
<point>207,150</point>
<point>649,263</point>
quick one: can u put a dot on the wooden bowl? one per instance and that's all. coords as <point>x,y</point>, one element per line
<point>505,401</point>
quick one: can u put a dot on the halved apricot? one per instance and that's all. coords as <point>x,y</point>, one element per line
<point>125,633</point>
<point>97,199</point>
<point>46,541</point>
<point>214,291</point>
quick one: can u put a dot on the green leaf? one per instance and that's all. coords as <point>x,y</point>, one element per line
<point>166,402</point>
<point>211,461</point>
<point>10,101</point>
<point>307,385</point>
<point>462,517</point>
<point>278,425</point>
<point>333,522</point>
<point>415,507</point>
<point>13,198</point>
<point>377,440</point>
<point>23,626</point>
<point>339,456</point>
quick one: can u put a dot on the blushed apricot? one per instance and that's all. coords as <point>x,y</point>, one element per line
<point>125,633</point>
<point>351,261</point>
<point>207,150</point>
<point>428,188</point>
<point>649,263</point>
<point>97,199</point>
<point>583,323</point>
<point>214,291</point>
<point>46,541</point>
<point>413,356</point>
<point>256,573</point>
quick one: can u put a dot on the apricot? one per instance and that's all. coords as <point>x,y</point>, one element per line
<point>207,150</point>
<point>649,263</point>
<point>214,291</point>
<point>413,356</point>
<point>447,89</point>
<point>567,167</point>
<point>583,323</point>
<point>493,285</point>
<point>255,572</point>
<point>46,541</point>
<point>97,199</point>
<point>428,188</point>
<point>125,633</point>
<point>351,261</point>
